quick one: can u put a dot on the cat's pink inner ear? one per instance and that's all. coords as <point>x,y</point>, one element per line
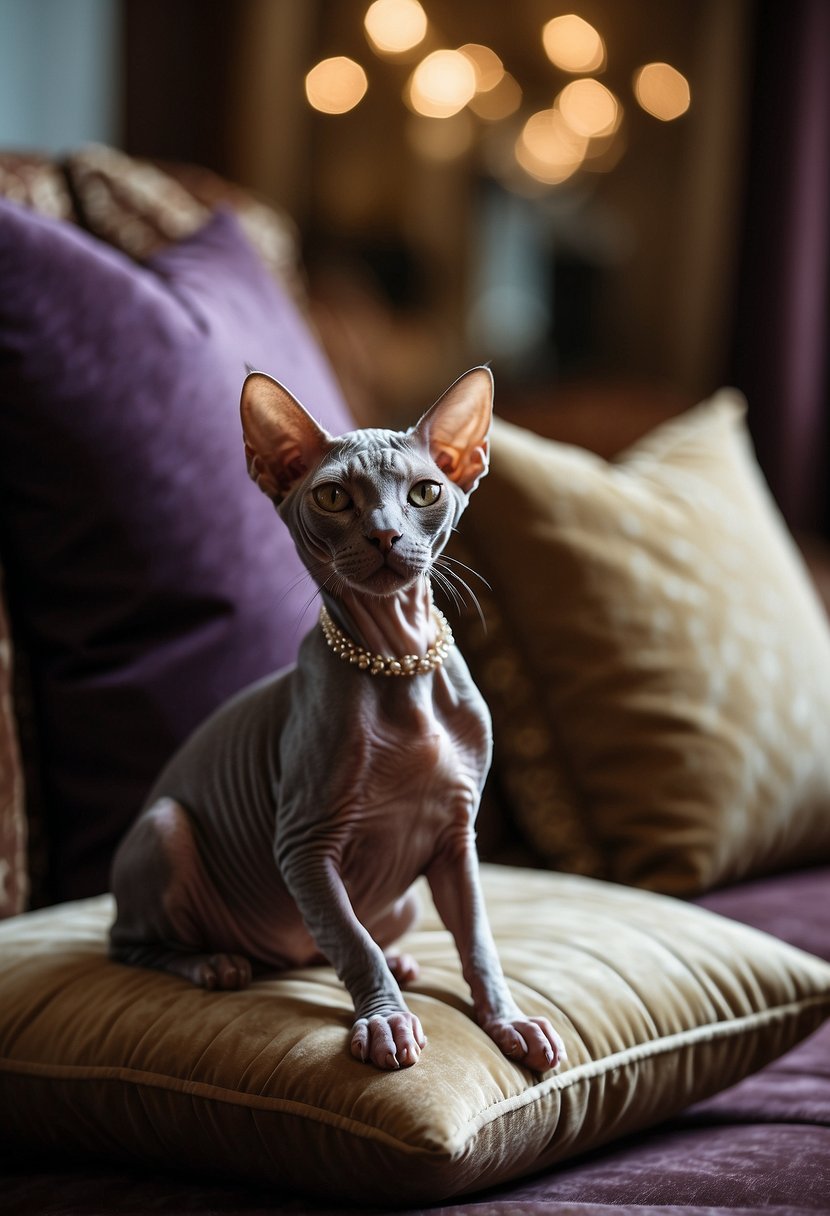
<point>282,440</point>
<point>457,428</point>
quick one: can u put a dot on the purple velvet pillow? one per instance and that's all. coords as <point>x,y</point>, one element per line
<point>147,577</point>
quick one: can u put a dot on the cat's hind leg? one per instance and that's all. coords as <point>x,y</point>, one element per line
<point>397,921</point>
<point>404,967</point>
<point>220,971</point>
<point>159,882</point>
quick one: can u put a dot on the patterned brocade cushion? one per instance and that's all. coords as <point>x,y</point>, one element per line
<point>660,1004</point>
<point>141,208</point>
<point>37,182</point>
<point>657,658</point>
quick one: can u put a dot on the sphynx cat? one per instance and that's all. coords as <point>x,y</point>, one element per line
<point>290,828</point>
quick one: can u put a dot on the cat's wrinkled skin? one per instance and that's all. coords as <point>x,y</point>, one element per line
<point>291,826</point>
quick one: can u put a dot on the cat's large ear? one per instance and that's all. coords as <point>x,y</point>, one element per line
<point>282,440</point>
<point>457,428</point>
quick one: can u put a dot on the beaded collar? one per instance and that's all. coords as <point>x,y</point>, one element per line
<point>382,665</point>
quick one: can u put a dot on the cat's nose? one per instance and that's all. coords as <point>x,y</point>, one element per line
<point>384,538</point>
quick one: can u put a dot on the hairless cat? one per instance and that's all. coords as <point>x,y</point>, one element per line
<point>291,826</point>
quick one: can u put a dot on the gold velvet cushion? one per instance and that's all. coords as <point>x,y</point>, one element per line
<point>660,1004</point>
<point>657,660</point>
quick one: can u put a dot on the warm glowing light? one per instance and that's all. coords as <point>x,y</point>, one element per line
<point>589,108</point>
<point>548,149</point>
<point>336,85</point>
<point>395,26</point>
<point>442,84</point>
<point>662,91</point>
<point>487,66</point>
<point>545,134</point>
<point>499,102</point>
<point>572,44</point>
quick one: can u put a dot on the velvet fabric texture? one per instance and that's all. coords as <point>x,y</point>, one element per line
<point>660,673</point>
<point>147,578</point>
<point>135,1065</point>
<point>761,1146</point>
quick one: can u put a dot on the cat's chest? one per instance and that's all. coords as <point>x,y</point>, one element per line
<point>420,763</point>
<point>409,795</point>
<point>413,774</point>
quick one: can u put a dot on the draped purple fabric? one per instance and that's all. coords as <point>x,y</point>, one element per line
<point>780,355</point>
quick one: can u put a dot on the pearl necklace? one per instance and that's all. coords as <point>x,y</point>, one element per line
<point>378,664</point>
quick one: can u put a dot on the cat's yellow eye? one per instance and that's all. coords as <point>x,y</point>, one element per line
<point>425,493</point>
<point>331,497</point>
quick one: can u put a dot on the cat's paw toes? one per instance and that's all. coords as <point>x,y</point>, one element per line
<point>388,1041</point>
<point>529,1041</point>
<point>225,971</point>
<point>404,968</point>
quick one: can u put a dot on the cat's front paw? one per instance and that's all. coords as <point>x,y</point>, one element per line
<point>389,1041</point>
<point>529,1041</point>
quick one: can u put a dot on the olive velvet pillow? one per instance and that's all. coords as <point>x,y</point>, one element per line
<point>657,659</point>
<point>134,1065</point>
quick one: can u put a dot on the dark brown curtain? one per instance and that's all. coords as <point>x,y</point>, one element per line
<point>178,59</point>
<point>780,348</point>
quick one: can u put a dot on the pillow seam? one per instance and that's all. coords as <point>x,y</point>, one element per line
<point>262,1104</point>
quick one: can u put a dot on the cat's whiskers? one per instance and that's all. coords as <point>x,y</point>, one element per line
<point>445,557</point>
<point>305,608</point>
<point>447,587</point>
<point>314,576</point>
<point>335,584</point>
<point>305,577</point>
<point>447,577</point>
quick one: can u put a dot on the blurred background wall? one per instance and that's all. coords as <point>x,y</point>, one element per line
<point>61,73</point>
<point>667,244</point>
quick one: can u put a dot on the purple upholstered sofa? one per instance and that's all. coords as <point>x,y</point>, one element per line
<point>144,581</point>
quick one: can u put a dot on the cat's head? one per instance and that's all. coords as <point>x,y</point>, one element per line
<point>372,509</point>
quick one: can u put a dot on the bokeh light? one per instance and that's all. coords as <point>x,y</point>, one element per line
<point>499,102</point>
<point>441,85</point>
<point>488,68</point>
<point>572,44</point>
<point>548,149</point>
<point>662,91</point>
<point>335,86</point>
<point>589,108</point>
<point>395,26</point>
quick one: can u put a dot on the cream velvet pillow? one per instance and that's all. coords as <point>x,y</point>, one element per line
<point>660,1004</point>
<point>657,660</point>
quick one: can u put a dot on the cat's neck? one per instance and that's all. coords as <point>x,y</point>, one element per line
<point>388,625</point>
